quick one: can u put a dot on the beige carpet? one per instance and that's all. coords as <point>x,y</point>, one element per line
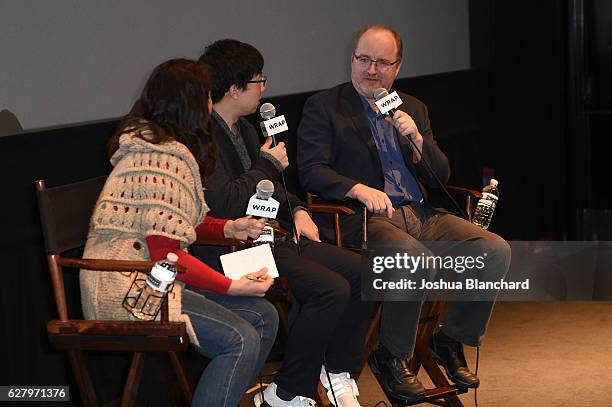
<point>544,354</point>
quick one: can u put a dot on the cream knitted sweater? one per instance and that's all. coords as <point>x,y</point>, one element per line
<point>154,189</point>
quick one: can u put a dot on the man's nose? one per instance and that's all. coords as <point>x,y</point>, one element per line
<point>372,68</point>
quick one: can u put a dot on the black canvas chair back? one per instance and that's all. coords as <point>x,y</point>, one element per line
<point>65,212</point>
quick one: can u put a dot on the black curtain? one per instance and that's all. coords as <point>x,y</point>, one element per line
<point>524,47</point>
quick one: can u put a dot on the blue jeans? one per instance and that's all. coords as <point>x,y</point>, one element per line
<point>237,333</point>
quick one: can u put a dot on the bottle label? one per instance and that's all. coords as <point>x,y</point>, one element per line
<point>160,278</point>
<point>488,196</point>
<point>266,236</point>
<point>485,203</point>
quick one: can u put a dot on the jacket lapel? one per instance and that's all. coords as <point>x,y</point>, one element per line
<point>353,109</point>
<point>251,143</point>
<point>227,151</point>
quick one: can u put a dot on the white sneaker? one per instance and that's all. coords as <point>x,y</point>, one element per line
<point>272,400</point>
<point>345,388</point>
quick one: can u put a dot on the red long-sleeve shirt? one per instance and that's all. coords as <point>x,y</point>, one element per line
<point>198,274</point>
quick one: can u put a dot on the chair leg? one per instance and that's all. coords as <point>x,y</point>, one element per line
<point>371,341</point>
<point>88,395</point>
<point>430,315</point>
<point>133,380</point>
<point>182,376</point>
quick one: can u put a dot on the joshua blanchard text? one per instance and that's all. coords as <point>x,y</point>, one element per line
<point>468,284</point>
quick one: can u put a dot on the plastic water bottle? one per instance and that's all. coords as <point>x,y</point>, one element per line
<point>266,237</point>
<point>145,297</point>
<point>486,205</point>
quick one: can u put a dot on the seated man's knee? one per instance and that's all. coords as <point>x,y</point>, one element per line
<point>334,292</point>
<point>499,247</point>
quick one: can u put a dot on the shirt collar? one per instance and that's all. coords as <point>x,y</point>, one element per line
<point>368,109</point>
<point>225,126</point>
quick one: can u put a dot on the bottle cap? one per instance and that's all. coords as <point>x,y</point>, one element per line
<point>493,183</point>
<point>174,258</point>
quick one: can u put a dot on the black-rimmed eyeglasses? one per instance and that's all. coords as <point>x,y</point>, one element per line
<point>381,64</point>
<point>262,80</point>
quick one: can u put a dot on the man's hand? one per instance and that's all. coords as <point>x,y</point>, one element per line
<point>243,228</point>
<point>407,127</point>
<point>304,226</point>
<point>253,284</point>
<point>279,152</point>
<point>376,201</point>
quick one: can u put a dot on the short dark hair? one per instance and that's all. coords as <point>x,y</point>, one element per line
<point>232,63</point>
<point>398,39</point>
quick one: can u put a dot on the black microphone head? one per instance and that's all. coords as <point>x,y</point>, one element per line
<point>264,189</point>
<point>379,93</point>
<point>267,111</point>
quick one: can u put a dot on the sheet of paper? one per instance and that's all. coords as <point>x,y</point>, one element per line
<point>237,264</point>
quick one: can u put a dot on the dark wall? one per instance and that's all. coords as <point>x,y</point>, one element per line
<point>524,47</point>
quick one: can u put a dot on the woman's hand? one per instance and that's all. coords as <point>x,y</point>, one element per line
<point>253,284</point>
<point>243,228</point>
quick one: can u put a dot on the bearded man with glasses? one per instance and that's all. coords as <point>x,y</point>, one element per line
<point>348,149</point>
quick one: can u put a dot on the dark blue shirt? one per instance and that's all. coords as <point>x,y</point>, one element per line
<point>400,183</point>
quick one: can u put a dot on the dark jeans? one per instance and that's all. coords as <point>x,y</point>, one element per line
<point>331,321</point>
<point>411,225</point>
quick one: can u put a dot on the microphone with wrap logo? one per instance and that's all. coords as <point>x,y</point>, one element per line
<point>379,94</point>
<point>267,111</point>
<point>271,125</point>
<point>387,104</point>
<point>263,205</point>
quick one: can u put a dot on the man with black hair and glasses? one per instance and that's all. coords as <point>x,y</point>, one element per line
<point>347,149</point>
<point>325,281</point>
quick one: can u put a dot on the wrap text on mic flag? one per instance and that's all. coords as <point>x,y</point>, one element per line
<point>387,102</point>
<point>261,203</point>
<point>271,125</point>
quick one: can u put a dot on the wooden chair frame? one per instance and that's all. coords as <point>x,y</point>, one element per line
<point>65,229</point>
<point>444,393</point>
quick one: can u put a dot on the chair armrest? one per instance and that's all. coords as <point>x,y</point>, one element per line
<point>331,209</point>
<point>221,242</point>
<point>106,265</point>
<point>336,209</point>
<point>110,265</point>
<point>464,191</point>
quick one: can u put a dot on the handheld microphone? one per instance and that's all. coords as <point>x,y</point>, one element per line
<point>271,125</point>
<point>264,189</point>
<point>267,111</point>
<point>263,205</point>
<point>386,102</point>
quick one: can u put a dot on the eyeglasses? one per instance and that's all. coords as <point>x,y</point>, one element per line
<point>381,64</point>
<point>262,80</point>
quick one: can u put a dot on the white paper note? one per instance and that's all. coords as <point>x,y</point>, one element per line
<point>237,264</point>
